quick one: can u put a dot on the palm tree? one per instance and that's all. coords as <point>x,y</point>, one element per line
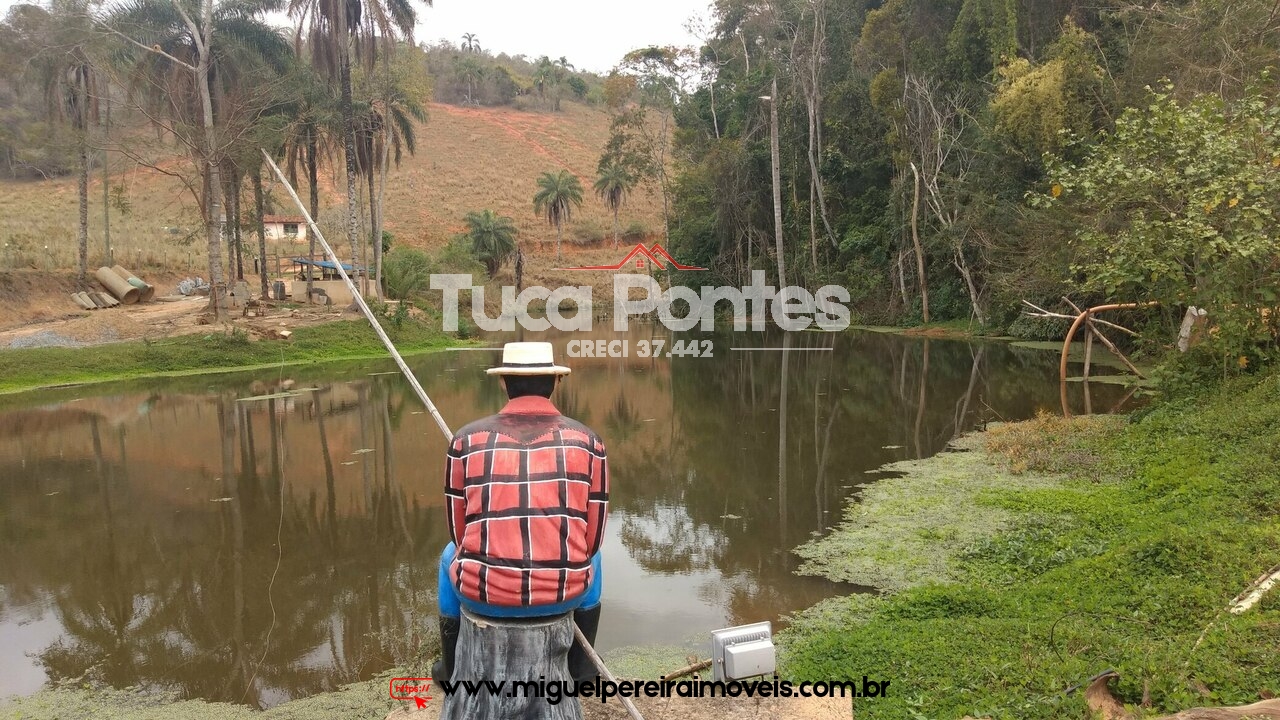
<point>271,132</point>
<point>613,186</point>
<point>334,30</point>
<point>187,77</point>
<point>386,130</point>
<point>493,238</point>
<point>309,134</point>
<point>470,43</point>
<point>61,41</point>
<point>544,74</point>
<point>558,194</point>
<point>470,70</point>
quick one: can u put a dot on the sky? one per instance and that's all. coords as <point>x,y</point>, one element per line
<point>591,34</point>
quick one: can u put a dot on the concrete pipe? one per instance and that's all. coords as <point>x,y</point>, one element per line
<point>83,301</point>
<point>97,301</point>
<point>145,291</point>
<point>117,286</point>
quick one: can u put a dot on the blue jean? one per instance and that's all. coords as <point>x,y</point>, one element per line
<point>451,603</point>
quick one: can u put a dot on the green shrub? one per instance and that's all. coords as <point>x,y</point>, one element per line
<point>406,272</point>
<point>635,231</point>
<point>1177,205</point>
<point>458,257</point>
<point>590,231</point>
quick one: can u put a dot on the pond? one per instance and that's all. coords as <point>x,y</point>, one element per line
<point>193,535</point>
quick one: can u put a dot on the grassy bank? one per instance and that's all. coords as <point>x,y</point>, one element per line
<point>1054,550</point>
<point>216,351</point>
<point>361,701</point>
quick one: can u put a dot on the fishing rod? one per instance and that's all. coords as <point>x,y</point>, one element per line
<point>417,388</point>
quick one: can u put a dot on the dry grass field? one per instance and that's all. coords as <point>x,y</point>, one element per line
<point>468,159</point>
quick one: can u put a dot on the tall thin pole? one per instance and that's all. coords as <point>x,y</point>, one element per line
<point>106,178</point>
<point>777,183</point>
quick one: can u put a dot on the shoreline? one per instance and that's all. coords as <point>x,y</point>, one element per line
<point>1035,555</point>
<point>25,370</point>
<point>219,351</point>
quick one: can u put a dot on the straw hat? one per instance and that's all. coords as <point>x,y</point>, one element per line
<point>528,358</point>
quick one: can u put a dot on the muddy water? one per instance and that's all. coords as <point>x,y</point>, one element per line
<point>194,535</point>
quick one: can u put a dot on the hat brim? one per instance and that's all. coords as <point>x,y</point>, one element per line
<point>540,370</point>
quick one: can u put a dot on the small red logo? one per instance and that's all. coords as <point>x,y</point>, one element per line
<point>414,689</point>
<point>655,254</point>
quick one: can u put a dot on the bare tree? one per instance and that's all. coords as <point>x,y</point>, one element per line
<point>935,125</point>
<point>777,183</point>
<point>208,151</point>
<point>193,52</point>
<point>915,241</point>
<point>811,86</point>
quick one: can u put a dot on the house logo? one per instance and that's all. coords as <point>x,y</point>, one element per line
<point>655,254</point>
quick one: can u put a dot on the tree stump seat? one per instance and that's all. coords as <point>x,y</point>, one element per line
<point>512,649</point>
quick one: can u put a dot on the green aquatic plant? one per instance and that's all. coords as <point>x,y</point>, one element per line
<point>1115,545</point>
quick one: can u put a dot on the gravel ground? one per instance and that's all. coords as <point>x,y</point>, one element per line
<point>44,338</point>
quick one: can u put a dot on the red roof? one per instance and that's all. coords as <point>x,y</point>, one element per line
<point>655,254</point>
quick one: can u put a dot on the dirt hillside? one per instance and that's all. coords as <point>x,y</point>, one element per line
<point>467,159</point>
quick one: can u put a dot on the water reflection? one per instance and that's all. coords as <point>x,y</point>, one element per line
<point>258,538</point>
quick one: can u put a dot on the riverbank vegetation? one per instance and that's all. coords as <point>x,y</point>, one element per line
<point>218,350</point>
<point>1058,549</point>
<point>946,160</point>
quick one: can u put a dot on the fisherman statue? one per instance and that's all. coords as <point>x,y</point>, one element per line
<point>527,496</point>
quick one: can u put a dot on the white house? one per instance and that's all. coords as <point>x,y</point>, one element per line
<point>285,227</point>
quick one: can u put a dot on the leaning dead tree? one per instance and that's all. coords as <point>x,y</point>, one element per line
<point>1091,323</point>
<point>1087,318</point>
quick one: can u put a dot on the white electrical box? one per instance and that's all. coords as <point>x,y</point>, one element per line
<point>742,652</point>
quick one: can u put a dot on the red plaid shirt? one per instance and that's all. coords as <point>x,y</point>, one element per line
<point>527,493</point>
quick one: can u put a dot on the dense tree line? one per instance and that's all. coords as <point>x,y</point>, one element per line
<point>944,160</point>
<point>469,74</point>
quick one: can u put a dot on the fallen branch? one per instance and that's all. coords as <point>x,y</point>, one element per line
<point>1042,313</point>
<point>687,670</point>
<point>1106,341</point>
